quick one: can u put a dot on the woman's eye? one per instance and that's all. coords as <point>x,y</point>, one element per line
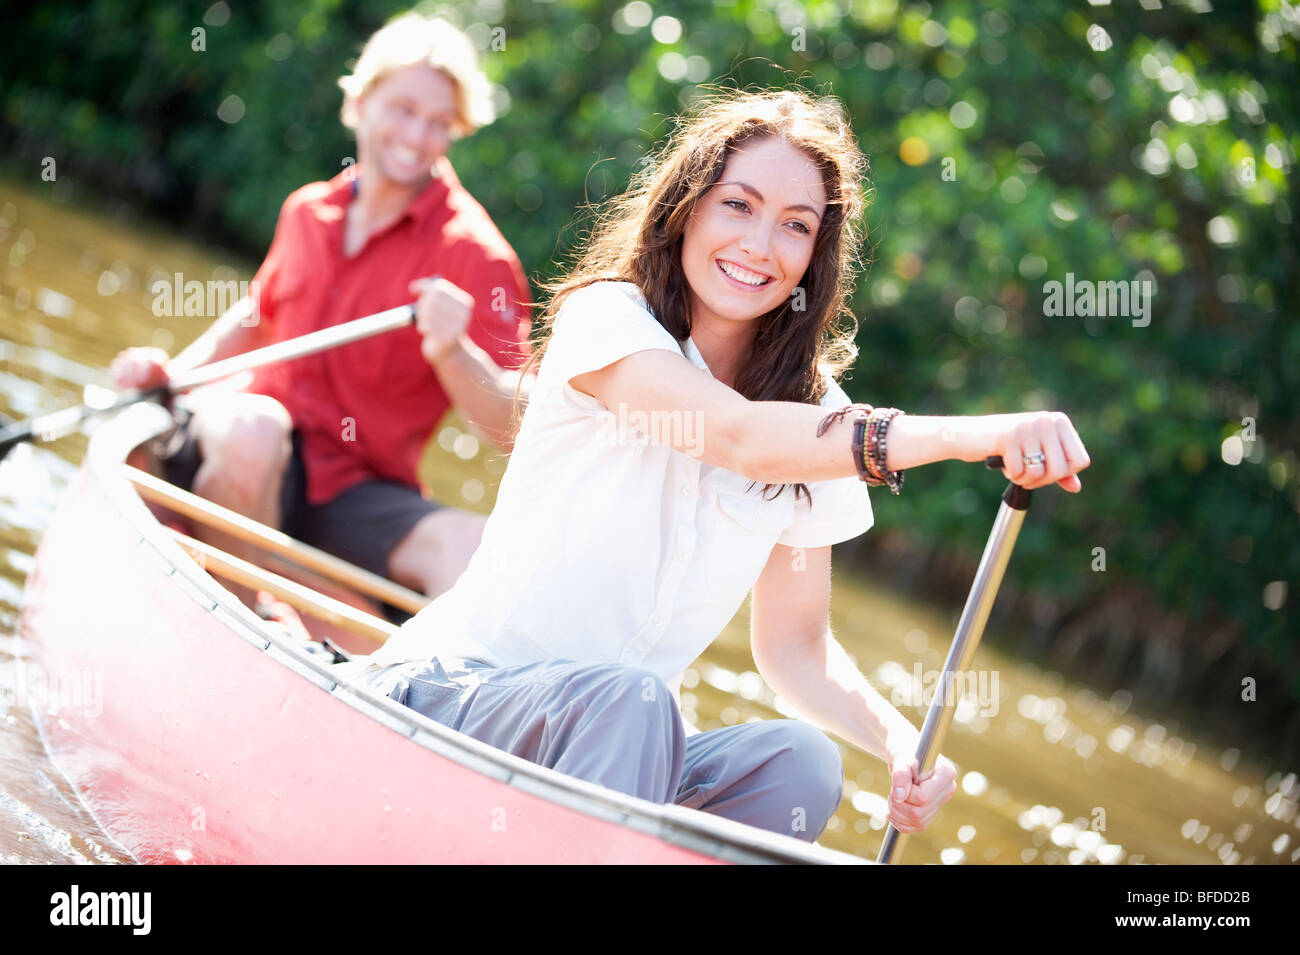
<point>738,204</point>
<point>801,227</point>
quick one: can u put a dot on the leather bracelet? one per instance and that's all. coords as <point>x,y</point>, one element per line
<point>860,452</point>
<point>878,450</point>
<point>862,414</point>
<point>839,413</point>
<point>873,431</point>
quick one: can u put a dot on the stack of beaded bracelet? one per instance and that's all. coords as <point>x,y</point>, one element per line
<point>860,411</point>
<point>876,451</point>
<point>870,426</point>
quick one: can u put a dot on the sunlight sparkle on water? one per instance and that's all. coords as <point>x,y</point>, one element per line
<point>870,804</point>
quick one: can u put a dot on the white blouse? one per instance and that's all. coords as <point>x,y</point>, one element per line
<point>603,546</point>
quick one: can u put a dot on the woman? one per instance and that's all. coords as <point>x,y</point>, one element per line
<point>685,443</point>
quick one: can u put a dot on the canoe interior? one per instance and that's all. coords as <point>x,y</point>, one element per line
<point>194,733</point>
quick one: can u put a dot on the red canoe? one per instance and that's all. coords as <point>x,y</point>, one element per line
<point>199,734</point>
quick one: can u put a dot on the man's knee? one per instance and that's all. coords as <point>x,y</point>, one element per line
<point>436,550</point>
<point>245,445</point>
<point>451,532</point>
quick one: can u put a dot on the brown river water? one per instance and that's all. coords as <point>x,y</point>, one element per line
<point>1051,772</point>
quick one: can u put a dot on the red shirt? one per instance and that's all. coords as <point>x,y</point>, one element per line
<point>366,410</point>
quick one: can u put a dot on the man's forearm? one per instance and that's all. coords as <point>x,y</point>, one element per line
<point>481,390</point>
<point>820,682</point>
<point>229,335</point>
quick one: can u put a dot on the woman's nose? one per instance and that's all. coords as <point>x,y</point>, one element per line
<point>755,242</point>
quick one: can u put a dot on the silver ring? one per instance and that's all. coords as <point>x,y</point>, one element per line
<point>1032,459</point>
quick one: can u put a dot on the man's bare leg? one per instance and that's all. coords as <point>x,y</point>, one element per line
<point>246,444</point>
<point>436,551</point>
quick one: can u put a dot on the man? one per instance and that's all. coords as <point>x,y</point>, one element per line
<point>326,447</point>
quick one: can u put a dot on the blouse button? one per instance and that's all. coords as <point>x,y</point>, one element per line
<point>657,621</point>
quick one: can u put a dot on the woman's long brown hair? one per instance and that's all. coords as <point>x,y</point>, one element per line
<point>637,237</point>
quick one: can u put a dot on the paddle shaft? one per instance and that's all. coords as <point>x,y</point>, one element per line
<point>59,423</point>
<point>984,590</point>
<point>299,347</point>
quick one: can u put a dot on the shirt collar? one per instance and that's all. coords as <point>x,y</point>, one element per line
<point>693,355</point>
<point>343,189</point>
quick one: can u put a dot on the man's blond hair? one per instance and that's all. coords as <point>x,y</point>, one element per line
<point>410,39</point>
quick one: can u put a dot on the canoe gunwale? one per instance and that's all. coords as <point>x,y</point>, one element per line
<point>713,836</point>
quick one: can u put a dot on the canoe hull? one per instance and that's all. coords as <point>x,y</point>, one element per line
<point>196,736</point>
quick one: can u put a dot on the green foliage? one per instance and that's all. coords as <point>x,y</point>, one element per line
<point>1110,142</point>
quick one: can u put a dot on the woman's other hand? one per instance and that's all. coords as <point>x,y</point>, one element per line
<point>913,803</point>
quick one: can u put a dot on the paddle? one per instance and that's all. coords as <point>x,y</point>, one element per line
<point>984,590</point>
<point>59,423</point>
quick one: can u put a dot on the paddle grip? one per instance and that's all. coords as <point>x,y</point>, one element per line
<point>1015,496</point>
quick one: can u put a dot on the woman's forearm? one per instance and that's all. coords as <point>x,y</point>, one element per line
<point>823,686</point>
<point>777,442</point>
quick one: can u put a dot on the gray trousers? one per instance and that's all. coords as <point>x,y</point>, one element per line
<point>620,727</point>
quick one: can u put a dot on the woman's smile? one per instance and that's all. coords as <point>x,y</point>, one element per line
<point>747,279</point>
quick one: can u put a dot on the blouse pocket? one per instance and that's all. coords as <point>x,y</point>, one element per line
<point>748,529</point>
<point>764,519</point>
